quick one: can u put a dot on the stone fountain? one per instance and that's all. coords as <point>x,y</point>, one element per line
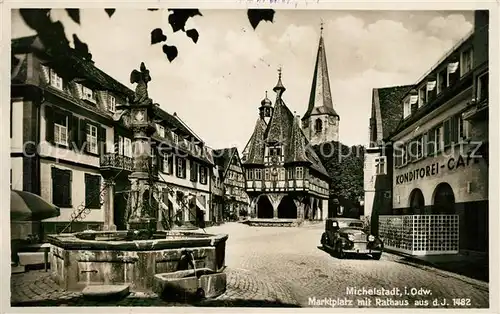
<point>142,258</point>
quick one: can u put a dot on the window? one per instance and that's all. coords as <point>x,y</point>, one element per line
<point>203,175</point>
<point>55,80</point>
<point>463,128</point>
<point>127,148</point>
<point>430,142</point>
<point>181,167</point>
<point>438,139</point>
<point>161,130</point>
<point>167,163</point>
<point>258,174</point>
<point>266,174</point>
<point>91,138</point>
<point>282,174</point>
<point>250,174</point>
<point>111,103</point>
<point>422,97</point>
<point>452,73</point>
<point>300,173</point>
<point>447,132</point>
<point>318,125</point>
<point>92,191</point>
<point>406,108</point>
<point>60,129</point>
<point>290,174</point>
<point>88,94</point>
<point>175,137</point>
<point>61,187</point>
<point>442,81</point>
<point>482,87</point>
<point>466,62</point>
<point>420,147</point>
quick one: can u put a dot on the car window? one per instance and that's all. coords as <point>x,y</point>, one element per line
<point>349,224</point>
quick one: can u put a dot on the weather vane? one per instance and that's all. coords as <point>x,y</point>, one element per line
<point>279,71</point>
<point>321,27</point>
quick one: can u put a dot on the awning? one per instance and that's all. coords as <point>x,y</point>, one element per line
<point>26,206</point>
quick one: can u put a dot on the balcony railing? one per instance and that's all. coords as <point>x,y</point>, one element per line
<point>420,234</point>
<point>112,160</point>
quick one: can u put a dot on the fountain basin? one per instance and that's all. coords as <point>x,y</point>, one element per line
<point>109,258</point>
<point>190,284</point>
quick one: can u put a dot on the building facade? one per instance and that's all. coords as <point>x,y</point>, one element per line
<point>72,145</point>
<point>284,177</point>
<point>385,116</point>
<point>440,152</point>
<point>235,198</point>
<point>320,123</point>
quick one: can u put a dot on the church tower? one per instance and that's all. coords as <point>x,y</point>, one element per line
<point>320,122</point>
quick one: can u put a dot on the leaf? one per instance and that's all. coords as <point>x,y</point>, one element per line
<point>110,12</point>
<point>82,48</point>
<point>36,18</point>
<point>178,18</point>
<point>171,52</point>
<point>193,34</point>
<point>74,14</point>
<point>157,36</point>
<point>255,16</point>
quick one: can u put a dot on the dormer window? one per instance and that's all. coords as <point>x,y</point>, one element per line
<point>406,108</point>
<point>55,80</point>
<point>175,137</point>
<point>111,104</point>
<point>161,130</point>
<point>422,96</point>
<point>442,81</point>
<point>466,61</point>
<point>87,94</point>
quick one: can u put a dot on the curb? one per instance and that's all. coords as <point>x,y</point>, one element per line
<point>416,262</point>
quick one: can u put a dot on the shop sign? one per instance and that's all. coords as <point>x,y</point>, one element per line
<point>434,169</point>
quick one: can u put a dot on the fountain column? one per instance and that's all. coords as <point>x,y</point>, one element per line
<point>141,208</point>
<point>109,207</point>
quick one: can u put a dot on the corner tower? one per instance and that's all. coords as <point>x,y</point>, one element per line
<point>320,122</point>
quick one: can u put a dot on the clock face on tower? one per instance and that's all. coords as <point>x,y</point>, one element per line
<point>139,116</point>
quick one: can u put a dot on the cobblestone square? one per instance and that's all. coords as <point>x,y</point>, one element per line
<point>272,266</point>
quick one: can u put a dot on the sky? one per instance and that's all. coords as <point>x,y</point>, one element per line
<point>216,85</point>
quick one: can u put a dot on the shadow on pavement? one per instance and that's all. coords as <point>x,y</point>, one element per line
<point>352,256</point>
<point>476,269</point>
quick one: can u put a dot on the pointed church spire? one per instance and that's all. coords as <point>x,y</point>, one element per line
<point>279,88</point>
<point>320,100</point>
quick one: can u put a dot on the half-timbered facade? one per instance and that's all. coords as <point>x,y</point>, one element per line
<point>285,178</point>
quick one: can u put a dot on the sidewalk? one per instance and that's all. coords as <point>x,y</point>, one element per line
<point>472,266</point>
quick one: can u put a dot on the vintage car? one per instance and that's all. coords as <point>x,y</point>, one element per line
<point>347,236</point>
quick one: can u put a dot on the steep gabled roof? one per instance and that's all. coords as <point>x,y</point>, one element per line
<point>278,130</point>
<point>223,158</point>
<point>256,144</point>
<point>387,110</point>
<point>296,150</point>
<point>320,99</point>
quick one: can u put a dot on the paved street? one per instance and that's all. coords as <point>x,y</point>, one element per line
<point>285,267</point>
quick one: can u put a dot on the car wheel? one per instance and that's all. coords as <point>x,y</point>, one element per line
<point>377,256</point>
<point>323,240</point>
<point>339,252</point>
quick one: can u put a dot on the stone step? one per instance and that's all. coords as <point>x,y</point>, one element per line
<point>184,285</point>
<point>17,269</point>
<point>31,258</point>
<point>106,291</point>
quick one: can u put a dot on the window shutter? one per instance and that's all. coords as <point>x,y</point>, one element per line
<point>170,163</point>
<point>69,176</point>
<point>45,74</point>
<point>102,141</point>
<point>447,132</point>
<point>183,168</point>
<point>431,142</point>
<point>83,134</point>
<point>75,138</point>
<point>454,129</point>
<point>161,166</point>
<point>55,188</point>
<point>49,123</point>
<point>177,162</point>
<point>88,191</point>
